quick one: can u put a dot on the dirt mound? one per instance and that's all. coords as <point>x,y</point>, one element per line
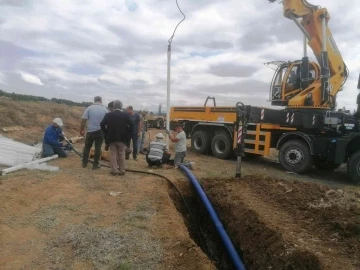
<point>288,225</point>
<point>36,116</point>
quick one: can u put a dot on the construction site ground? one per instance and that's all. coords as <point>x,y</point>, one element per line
<point>69,220</point>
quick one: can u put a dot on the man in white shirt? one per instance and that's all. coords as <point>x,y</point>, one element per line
<point>179,138</point>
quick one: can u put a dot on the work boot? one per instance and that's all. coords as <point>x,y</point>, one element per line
<point>135,158</point>
<point>84,165</point>
<point>96,167</point>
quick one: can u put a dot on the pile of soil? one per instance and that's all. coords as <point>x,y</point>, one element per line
<point>279,224</point>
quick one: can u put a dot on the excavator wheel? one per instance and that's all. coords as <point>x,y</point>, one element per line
<point>294,156</point>
<point>353,168</point>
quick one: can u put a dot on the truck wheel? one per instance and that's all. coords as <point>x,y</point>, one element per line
<point>325,165</point>
<point>354,168</point>
<point>200,142</point>
<point>221,146</point>
<point>295,156</point>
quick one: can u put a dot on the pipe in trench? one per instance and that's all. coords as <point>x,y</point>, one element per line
<point>234,256</point>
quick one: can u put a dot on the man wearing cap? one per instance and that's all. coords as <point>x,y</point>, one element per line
<point>93,115</point>
<point>158,153</point>
<point>52,137</point>
<point>117,127</point>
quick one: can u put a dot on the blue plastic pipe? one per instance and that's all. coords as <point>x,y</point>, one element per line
<point>234,256</point>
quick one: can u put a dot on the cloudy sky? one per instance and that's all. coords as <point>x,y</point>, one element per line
<point>117,49</point>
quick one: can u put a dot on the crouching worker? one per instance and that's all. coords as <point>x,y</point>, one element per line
<point>158,153</point>
<point>53,137</point>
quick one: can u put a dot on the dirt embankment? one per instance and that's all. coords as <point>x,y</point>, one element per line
<point>289,225</point>
<point>36,116</point>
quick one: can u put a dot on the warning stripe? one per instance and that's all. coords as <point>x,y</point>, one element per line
<point>240,132</point>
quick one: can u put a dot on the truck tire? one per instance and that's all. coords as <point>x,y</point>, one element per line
<point>294,156</point>
<point>221,146</point>
<point>200,142</point>
<point>353,169</point>
<point>325,165</point>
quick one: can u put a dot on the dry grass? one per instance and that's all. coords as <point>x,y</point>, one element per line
<point>104,248</point>
<point>36,116</point>
<point>47,217</point>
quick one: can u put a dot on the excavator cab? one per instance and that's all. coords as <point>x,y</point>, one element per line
<point>289,80</point>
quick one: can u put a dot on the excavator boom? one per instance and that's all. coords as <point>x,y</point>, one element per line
<point>319,92</point>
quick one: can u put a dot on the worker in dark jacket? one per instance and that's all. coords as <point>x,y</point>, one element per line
<point>117,127</point>
<point>111,109</point>
<point>53,136</point>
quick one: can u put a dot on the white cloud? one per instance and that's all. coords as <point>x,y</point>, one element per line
<point>31,78</point>
<point>117,49</point>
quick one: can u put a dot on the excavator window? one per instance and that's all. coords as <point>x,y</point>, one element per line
<point>312,74</point>
<point>293,80</point>
<point>280,76</point>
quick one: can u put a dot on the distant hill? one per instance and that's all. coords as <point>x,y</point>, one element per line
<point>20,97</point>
<point>35,116</point>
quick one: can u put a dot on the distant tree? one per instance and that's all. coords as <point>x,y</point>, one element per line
<point>37,98</point>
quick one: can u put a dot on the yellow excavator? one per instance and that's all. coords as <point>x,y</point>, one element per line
<point>308,131</point>
<point>304,84</point>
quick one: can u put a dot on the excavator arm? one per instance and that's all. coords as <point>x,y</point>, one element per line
<point>313,22</point>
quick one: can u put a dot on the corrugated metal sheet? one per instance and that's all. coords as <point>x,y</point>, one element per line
<point>13,153</point>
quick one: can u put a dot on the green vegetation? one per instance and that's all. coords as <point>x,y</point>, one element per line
<point>20,97</point>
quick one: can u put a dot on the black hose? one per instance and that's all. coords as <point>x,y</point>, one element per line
<point>160,176</point>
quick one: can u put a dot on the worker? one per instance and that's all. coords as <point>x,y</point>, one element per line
<point>143,125</point>
<point>52,142</point>
<point>117,126</point>
<point>111,106</point>
<point>111,109</point>
<point>93,115</point>
<point>179,138</point>
<point>135,118</point>
<point>158,153</point>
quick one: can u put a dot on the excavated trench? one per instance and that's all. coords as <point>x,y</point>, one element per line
<point>203,232</point>
<point>260,245</point>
